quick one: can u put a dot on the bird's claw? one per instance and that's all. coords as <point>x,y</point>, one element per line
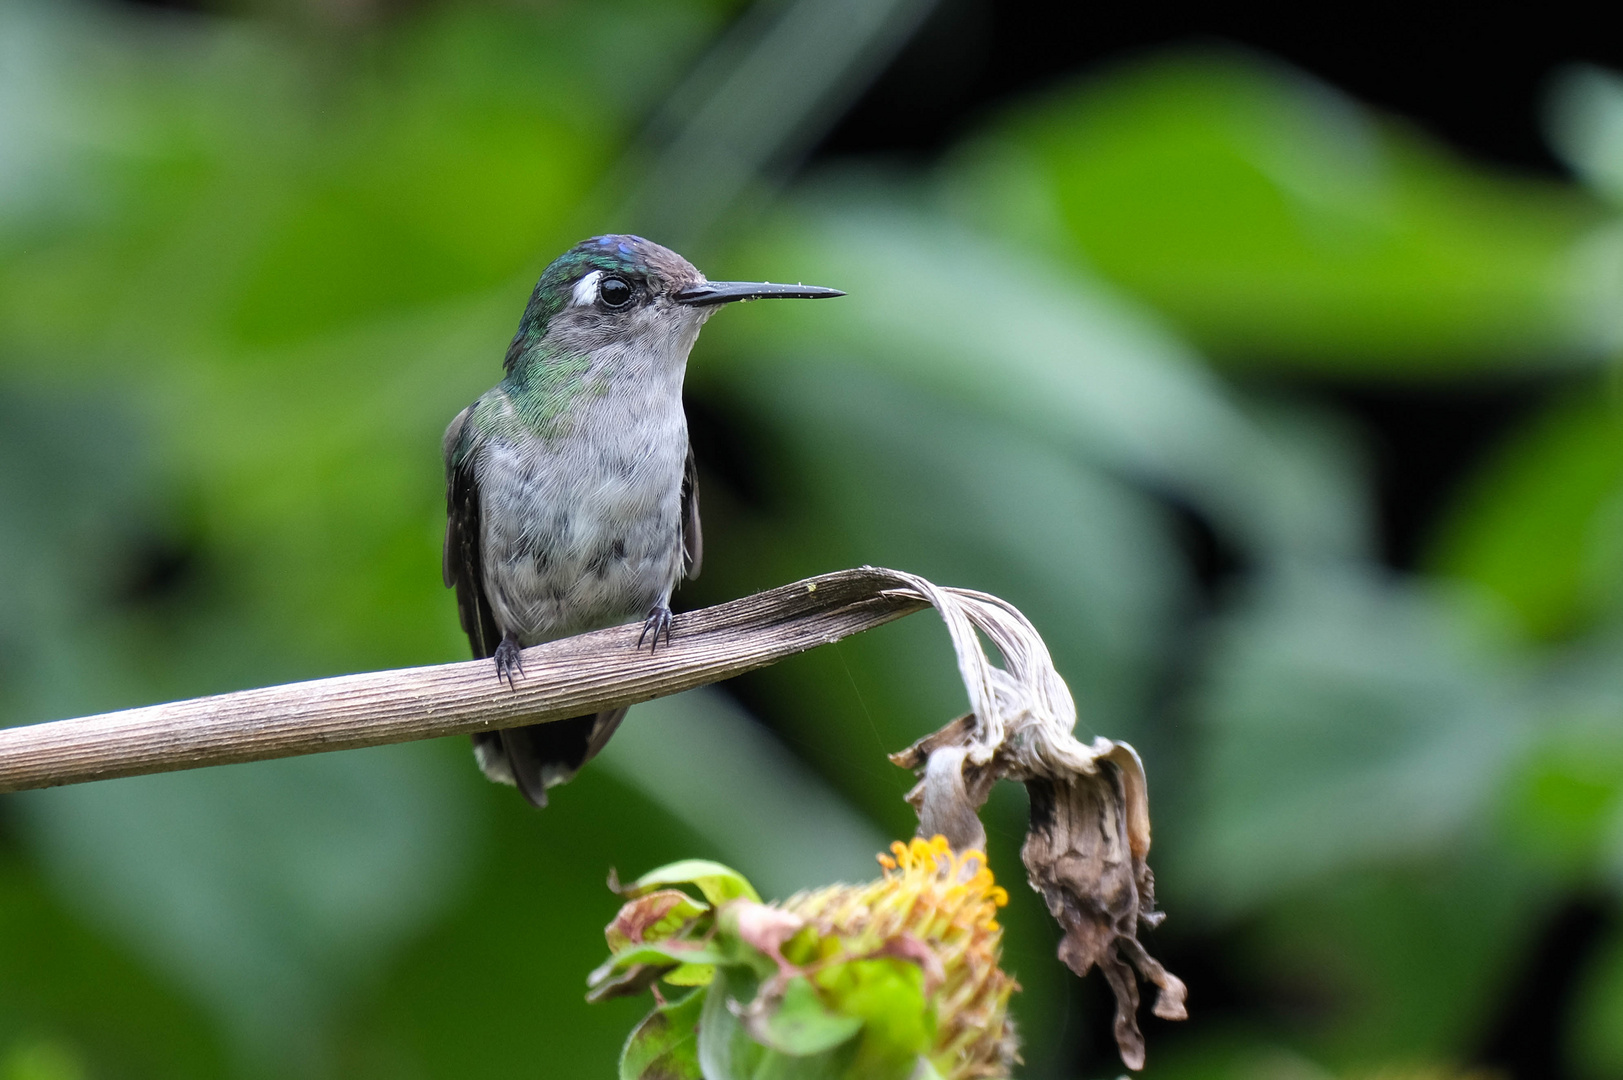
<point>509,662</point>
<point>657,623</point>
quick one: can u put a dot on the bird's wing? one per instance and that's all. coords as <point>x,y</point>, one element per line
<point>692,535</point>
<point>464,567</point>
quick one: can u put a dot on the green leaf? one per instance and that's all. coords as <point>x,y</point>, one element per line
<point>700,757</point>
<point>1564,805</point>
<point>692,975</point>
<point>1417,953</point>
<point>264,889</point>
<point>40,1061</point>
<point>1586,126</point>
<point>1276,219</point>
<point>726,1051</point>
<point>665,1046</point>
<point>718,883</point>
<point>1347,718</point>
<point>681,951</point>
<point>800,1023</point>
<point>881,458</point>
<point>888,996</point>
<point>1542,525</point>
<point>1054,355</point>
<point>1598,1035</point>
<point>674,954</point>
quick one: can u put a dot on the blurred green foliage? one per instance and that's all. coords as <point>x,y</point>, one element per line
<point>248,270</point>
<point>1271,218</point>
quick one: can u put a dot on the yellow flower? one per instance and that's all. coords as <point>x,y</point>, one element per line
<point>897,978</point>
<point>939,908</point>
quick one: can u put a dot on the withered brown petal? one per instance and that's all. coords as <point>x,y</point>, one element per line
<point>1169,1001</point>
<point>959,732</point>
<point>1129,1040</point>
<point>950,791</point>
<point>947,807</point>
<point>1078,855</point>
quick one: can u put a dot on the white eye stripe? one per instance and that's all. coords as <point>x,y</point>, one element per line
<point>585,289</point>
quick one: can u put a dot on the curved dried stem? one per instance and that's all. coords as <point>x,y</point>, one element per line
<point>588,673</point>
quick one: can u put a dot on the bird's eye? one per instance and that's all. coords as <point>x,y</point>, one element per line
<point>614,292</point>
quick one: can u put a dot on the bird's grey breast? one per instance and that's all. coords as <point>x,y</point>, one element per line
<point>581,525</point>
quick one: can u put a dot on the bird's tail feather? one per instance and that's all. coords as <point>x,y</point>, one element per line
<point>540,756</point>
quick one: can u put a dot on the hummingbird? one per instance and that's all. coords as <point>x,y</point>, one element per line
<point>570,487</point>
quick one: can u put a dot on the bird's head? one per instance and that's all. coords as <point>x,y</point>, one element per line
<point>617,290</point>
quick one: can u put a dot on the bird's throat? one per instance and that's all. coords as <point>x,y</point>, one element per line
<point>545,389</point>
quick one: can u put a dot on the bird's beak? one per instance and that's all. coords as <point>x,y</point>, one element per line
<point>707,293</point>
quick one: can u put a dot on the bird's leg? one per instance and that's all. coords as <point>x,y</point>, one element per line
<point>509,660</point>
<point>657,623</point>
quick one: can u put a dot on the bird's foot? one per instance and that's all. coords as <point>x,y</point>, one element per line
<point>657,623</point>
<point>509,661</point>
